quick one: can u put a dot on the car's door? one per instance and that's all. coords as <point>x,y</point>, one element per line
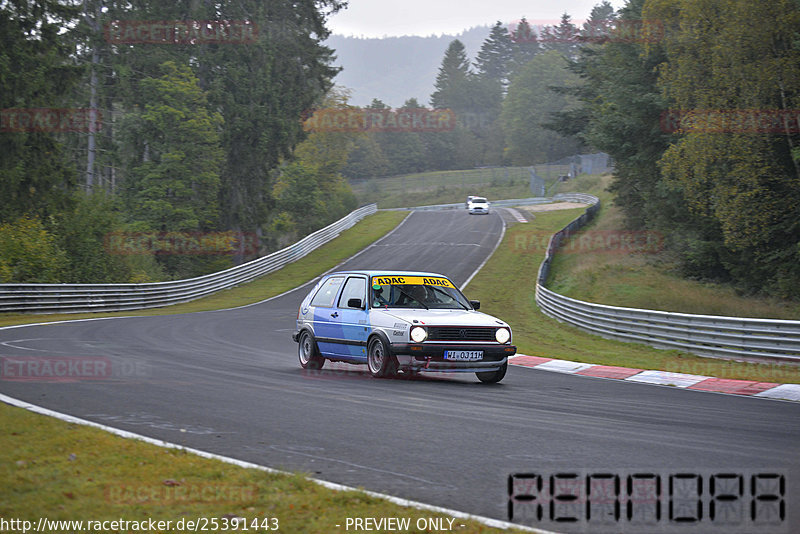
<point>326,315</point>
<point>341,329</point>
<point>353,318</point>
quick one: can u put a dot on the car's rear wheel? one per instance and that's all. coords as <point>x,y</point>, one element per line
<point>380,361</point>
<point>307,352</point>
<point>492,377</point>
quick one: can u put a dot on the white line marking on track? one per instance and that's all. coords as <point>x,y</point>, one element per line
<point>485,261</point>
<point>488,521</point>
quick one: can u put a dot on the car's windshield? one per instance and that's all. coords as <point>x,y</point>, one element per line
<point>479,201</point>
<point>416,292</point>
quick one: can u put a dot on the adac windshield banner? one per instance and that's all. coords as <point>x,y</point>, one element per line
<point>411,280</point>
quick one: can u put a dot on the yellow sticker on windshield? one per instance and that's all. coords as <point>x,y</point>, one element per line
<point>411,280</point>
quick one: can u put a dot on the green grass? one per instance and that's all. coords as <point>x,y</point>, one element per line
<point>64,471</point>
<point>322,259</point>
<point>506,288</point>
<point>447,187</point>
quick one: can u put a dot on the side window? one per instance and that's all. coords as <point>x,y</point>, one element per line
<point>355,288</point>
<point>327,293</point>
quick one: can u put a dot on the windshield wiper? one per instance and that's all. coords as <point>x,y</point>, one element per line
<point>450,297</point>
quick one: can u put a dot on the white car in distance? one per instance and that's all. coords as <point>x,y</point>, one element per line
<point>478,205</point>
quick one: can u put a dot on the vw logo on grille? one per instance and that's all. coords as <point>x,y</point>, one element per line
<point>462,333</point>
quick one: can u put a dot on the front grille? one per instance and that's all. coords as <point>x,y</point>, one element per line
<point>454,333</point>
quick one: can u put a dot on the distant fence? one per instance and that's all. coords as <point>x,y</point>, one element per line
<point>75,298</point>
<point>707,335</point>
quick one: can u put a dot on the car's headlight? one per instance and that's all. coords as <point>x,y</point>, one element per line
<point>418,334</point>
<point>502,335</point>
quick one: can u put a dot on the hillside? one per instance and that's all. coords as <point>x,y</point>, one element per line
<point>395,69</point>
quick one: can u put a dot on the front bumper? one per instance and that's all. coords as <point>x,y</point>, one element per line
<point>430,357</point>
<point>436,350</point>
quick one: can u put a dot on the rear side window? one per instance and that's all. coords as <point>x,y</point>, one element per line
<point>327,292</point>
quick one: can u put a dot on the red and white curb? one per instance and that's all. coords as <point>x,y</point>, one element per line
<point>752,388</point>
<point>517,215</point>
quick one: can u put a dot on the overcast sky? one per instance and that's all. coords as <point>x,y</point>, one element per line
<point>379,18</point>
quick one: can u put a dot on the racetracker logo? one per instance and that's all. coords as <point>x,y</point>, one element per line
<point>172,492</point>
<point>181,32</point>
<point>758,121</point>
<point>379,120</point>
<point>595,242</point>
<point>181,243</point>
<point>54,369</point>
<point>721,369</point>
<point>55,120</point>
<point>604,31</point>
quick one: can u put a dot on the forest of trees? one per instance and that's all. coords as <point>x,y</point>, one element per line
<point>503,102</point>
<point>726,197</point>
<point>201,136</point>
<point>194,134</point>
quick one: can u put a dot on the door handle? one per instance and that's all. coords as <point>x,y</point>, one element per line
<point>335,314</point>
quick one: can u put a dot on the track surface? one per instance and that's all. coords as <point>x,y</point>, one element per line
<point>228,382</point>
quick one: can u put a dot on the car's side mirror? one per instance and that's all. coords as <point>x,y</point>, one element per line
<point>355,303</point>
<point>475,304</point>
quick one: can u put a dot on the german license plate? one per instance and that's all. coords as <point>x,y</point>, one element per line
<point>463,355</point>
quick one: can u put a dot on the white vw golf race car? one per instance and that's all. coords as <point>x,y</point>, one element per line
<point>400,321</point>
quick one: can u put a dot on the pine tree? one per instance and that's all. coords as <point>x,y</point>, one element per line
<point>563,38</point>
<point>599,25</point>
<point>451,81</point>
<point>173,183</point>
<point>35,176</point>
<point>525,45</point>
<point>495,56</point>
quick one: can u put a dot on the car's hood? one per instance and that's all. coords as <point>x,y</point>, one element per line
<point>442,317</point>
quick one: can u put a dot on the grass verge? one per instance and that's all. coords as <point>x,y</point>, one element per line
<point>64,471</point>
<point>317,262</point>
<point>506,287</point>
<point>590,267</point>
<point>448,187</point>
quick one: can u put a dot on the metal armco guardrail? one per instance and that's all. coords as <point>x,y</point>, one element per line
<point>707,335</point>
<point>75,298</point>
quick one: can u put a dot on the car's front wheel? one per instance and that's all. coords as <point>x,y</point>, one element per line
<point>380,361</point>
<point>492,377</point>
<point>307,352</point>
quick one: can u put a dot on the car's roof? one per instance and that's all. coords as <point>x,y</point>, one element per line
<point>389,272</point>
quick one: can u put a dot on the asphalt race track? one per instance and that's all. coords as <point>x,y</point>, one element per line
<point>229,382</point>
